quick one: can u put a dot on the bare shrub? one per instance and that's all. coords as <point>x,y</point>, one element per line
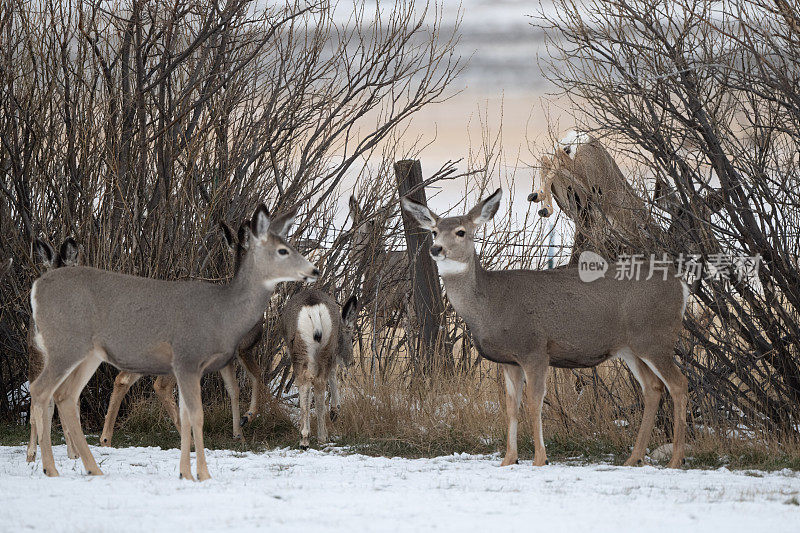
<point>136,126</point>
<point>704,96</point>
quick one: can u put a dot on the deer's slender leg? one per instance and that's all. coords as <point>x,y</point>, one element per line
<point>122,384</point>
<point>652,387</point>
<point>58,368</point>
<point>254,371</point>
<point>72,451</point>
<point>186,440</point>
<point>538,195</point>
<point>321,409</point>
<point>192,418</point>
<point>30,456</point>
<point>514,378</point>
<point>333,387</point>
<point>678,387</point>
<point>228,374</point>
<point>164,387</point>
<point>66,397</point>
<point>305,416</point>
<point>545,193</point>
<point>536,376</point>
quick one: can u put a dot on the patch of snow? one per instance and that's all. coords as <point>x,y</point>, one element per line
<point>290,490</point>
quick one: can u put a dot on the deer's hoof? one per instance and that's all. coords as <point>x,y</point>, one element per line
<point>238,437</point>
<point>544,212</point>
<point>187,476</point>
<point>533,197</point>
<point>304,447</point>
<point>97,472</point>
<point>509,462</point>
<point>677,463</point>
<point>245,419</point>
<point>50,472</point>
<point>334,414</point>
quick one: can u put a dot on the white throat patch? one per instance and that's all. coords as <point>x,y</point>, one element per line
<point>449,266</point>
<point>270,284</point>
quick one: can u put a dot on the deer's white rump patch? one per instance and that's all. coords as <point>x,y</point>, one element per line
<point>314,325</point>
<point>37,337</point>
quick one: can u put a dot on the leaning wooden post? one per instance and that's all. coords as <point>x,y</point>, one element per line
<point>427,295</point>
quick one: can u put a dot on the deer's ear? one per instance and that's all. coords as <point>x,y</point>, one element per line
<point>227,234</point>
<point>244,235</point>
<point>69,252</point>
<point>486,209</point>
<point>355,211</point>
<point>260,223</point>
<point>280,226</point>
<point>45,252</point>
<point>350,311</point>
<point>426,218</point>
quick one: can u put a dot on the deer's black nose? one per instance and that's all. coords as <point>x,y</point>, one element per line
<point>315,272</point>
<point>436,250</point>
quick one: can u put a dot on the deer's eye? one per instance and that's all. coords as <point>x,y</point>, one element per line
<point>461,233</point>
<point>283,251</point>
<point>434,233</point>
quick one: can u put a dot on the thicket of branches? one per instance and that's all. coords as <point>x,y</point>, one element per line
<point>705,97</point>
<point>136,126</point>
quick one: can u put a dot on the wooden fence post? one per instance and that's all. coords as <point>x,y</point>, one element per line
<point>427,294</point>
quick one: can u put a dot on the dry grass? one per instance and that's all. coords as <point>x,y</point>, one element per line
<point>463,413</point>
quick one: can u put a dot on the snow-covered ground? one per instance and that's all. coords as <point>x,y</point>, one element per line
<point>289,490</point>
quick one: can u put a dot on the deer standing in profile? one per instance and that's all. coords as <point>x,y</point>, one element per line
<point>68,255</point>
<point>83,316</point>
<point>590,189</point>
<point>165,385</point>
<point>386,274</point>
<point>319,339</point>
<point>527,320</point>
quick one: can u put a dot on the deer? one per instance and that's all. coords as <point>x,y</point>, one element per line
<point>382,270</point>
<point>165,385</point>
<point>589,187</point>
<point>84,316</point>
<point>529,320</point>
<point>68,255</point>
<point>319,340</point>
<point>689,229</point>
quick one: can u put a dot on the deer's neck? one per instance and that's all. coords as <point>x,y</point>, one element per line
<point>245,298</point>
<point>466,291</point>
